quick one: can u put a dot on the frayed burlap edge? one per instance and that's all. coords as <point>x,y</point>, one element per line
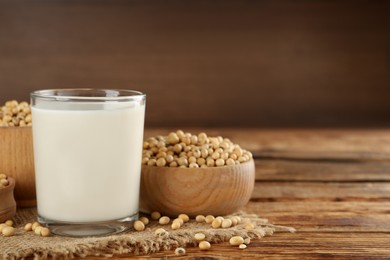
<point>26,244</point>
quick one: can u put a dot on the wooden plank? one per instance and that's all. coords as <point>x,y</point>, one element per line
<point>296,246</point>
<point>285,61</point>
<point>314,191</point>
<point>325,244</point>
<point>301,170</point>
<point>17,161</point>
<point>318,144</point>
<point>324,207</point>
<point>304,144</point>
<point>331,221</point>
<point>309,216</point>
<point>307,206</point>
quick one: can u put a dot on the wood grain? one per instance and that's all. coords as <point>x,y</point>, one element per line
<point>311,170</point>
<point>325,217</point>
<point>7,201</point>
<point>215,191</point>
<point>208,63</point>
<point>317,191</point>
<point>302,246</point>
<point>17,161</point>
<point>335,191</point>
<point>318,144</point>
<point>331,185</point>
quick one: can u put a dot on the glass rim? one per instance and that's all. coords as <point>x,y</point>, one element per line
<point>76,94</point>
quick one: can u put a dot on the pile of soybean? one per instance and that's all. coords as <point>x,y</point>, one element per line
<point>187,150</point>
<point>13,113</point>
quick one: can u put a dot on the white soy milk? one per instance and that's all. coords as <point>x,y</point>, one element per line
<point>88,162</point>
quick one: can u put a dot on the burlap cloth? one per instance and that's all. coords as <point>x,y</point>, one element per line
<point>27,244</point>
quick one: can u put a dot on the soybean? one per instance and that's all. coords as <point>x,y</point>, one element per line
<point>2,226</point>
<point>28,227</point>
<point>199,236</point>
<point>164,220</point>
<point>200,218</point>
<point>226,223</point>
<point>236,240</point>
<point>184,217</point>
<point>161,232</point>
<point>216,223</point>
<point>144,220</point>
<point>204,245</point>
<point>45,232</point>
<point>249,226</point>
<point>180,251</point>
<point>155,215</point>
<point>4,182</point>
<point>242,246</point>
<point>209,219</point>
<point>35,225</point>
<point>37,230</point>
<point>178,220</point>
<point>139,225</point>
<point>8,231</point>
<point>175,225</point>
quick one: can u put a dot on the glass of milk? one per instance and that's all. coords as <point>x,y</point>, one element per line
<point>87,154</point>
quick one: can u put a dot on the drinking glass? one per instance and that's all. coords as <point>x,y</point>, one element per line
<point>87,154</point>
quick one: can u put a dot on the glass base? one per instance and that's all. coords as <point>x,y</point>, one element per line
<point>88,229</point>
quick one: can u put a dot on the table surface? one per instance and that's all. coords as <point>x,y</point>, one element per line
<point>333,186</point>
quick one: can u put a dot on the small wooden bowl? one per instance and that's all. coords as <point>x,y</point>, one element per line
<point>7,201</point>
<point>207,191</point>
<point>17,161</point>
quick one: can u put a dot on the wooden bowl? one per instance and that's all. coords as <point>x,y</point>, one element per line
<point>17,161</point>
<point>7,201</point>
<point>194,191</point>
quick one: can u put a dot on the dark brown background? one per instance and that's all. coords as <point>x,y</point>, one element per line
<point>209,63</point>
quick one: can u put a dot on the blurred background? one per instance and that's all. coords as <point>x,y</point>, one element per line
<point>302,63</point>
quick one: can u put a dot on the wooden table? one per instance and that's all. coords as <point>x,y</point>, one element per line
<point>333,186</point>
